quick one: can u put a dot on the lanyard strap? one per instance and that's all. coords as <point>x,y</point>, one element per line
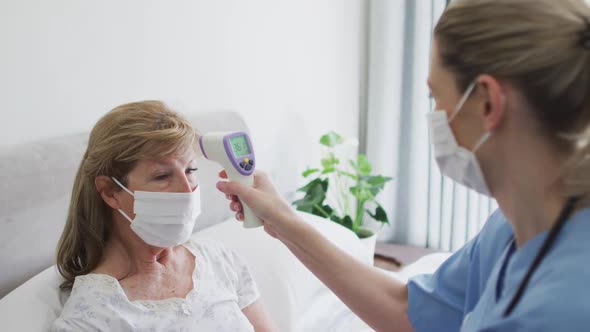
<point>557,227</point>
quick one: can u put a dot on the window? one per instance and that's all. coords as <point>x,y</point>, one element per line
<point>426,209</point>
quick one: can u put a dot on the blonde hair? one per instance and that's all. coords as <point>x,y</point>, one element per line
<point>543,48</point>
<point>125,135</point>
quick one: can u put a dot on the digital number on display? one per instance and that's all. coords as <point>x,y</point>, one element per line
<point>240,146</point>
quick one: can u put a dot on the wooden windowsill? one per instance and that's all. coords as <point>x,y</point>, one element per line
<point>393,257</point>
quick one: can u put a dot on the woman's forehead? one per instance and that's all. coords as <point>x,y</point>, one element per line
<point>171,160</point>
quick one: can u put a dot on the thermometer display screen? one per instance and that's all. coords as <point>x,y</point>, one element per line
<point>240,146</point>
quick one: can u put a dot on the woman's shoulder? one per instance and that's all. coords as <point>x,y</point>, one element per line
<point>558,301</point>
<point>93,283</point>
<point>557,297</point>
<point>91,304</point>
<point>571,250</point>
<point>94,290</point>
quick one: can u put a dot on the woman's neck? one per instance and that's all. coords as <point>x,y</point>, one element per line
<point>126,254</point>
<point>527,188</point>
<point>532,215</point>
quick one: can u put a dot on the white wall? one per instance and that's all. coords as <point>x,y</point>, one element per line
<point>64,63</point>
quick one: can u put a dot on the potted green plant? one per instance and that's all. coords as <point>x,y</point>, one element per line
<point>344,191</point>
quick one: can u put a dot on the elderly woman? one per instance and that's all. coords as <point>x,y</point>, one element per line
<point>126,252</point>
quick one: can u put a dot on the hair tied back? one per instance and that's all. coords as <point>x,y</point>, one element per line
<point>585,35</point>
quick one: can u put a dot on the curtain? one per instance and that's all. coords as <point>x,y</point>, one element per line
<point>425,209</point>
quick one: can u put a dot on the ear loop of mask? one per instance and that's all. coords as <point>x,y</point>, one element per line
<point>130,193</point>
<point>122,186</point>
<point>462,101</point>
<point>482,140</point>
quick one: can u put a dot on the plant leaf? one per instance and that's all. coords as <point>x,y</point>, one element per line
<point>309,171</point>
<point>375,183</point>
<point>380,215</point>
<point>364,233</point>
<point>362,194</point>
<point>347,222</point>
<point>347,174</point>
<point>330,161</point>
<point>324,211</point>
<point>331,139</point>
<point>315,195</point>
<point>336,219</point>
<point>364,167</point>
<point>313,183</point>
<point>303,207</point>
<point>378,180</point>
<point>328,170</point>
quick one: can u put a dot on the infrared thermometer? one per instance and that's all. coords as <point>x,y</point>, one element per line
<point>234,152</point>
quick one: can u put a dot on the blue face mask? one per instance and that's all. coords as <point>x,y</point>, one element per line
<point>453,160</point>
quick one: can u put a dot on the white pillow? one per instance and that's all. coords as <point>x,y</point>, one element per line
<point>295,298</point>
<point>34,305</point>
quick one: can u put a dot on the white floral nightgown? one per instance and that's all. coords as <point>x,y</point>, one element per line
<point>223,287</point>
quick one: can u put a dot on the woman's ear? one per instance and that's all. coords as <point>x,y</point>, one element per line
<point>106,189</point>
<point>494,101</point>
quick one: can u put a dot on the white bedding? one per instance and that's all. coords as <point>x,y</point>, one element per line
<point>295,298</point>
<point>287,288</point>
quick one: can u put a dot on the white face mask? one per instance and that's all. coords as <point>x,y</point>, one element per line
<point>453,160</point>
<point>163,219</point>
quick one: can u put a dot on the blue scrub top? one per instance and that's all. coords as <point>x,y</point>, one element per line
<point>476,283</point>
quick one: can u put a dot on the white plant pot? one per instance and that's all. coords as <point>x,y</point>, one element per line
<point>369,244</point>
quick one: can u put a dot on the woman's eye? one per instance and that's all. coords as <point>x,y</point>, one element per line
<point>191,170</point>
<point>161,177</point>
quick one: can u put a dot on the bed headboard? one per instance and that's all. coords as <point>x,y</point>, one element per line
<point>35,183</point>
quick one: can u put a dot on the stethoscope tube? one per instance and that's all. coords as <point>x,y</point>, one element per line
<point>553,233</point>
